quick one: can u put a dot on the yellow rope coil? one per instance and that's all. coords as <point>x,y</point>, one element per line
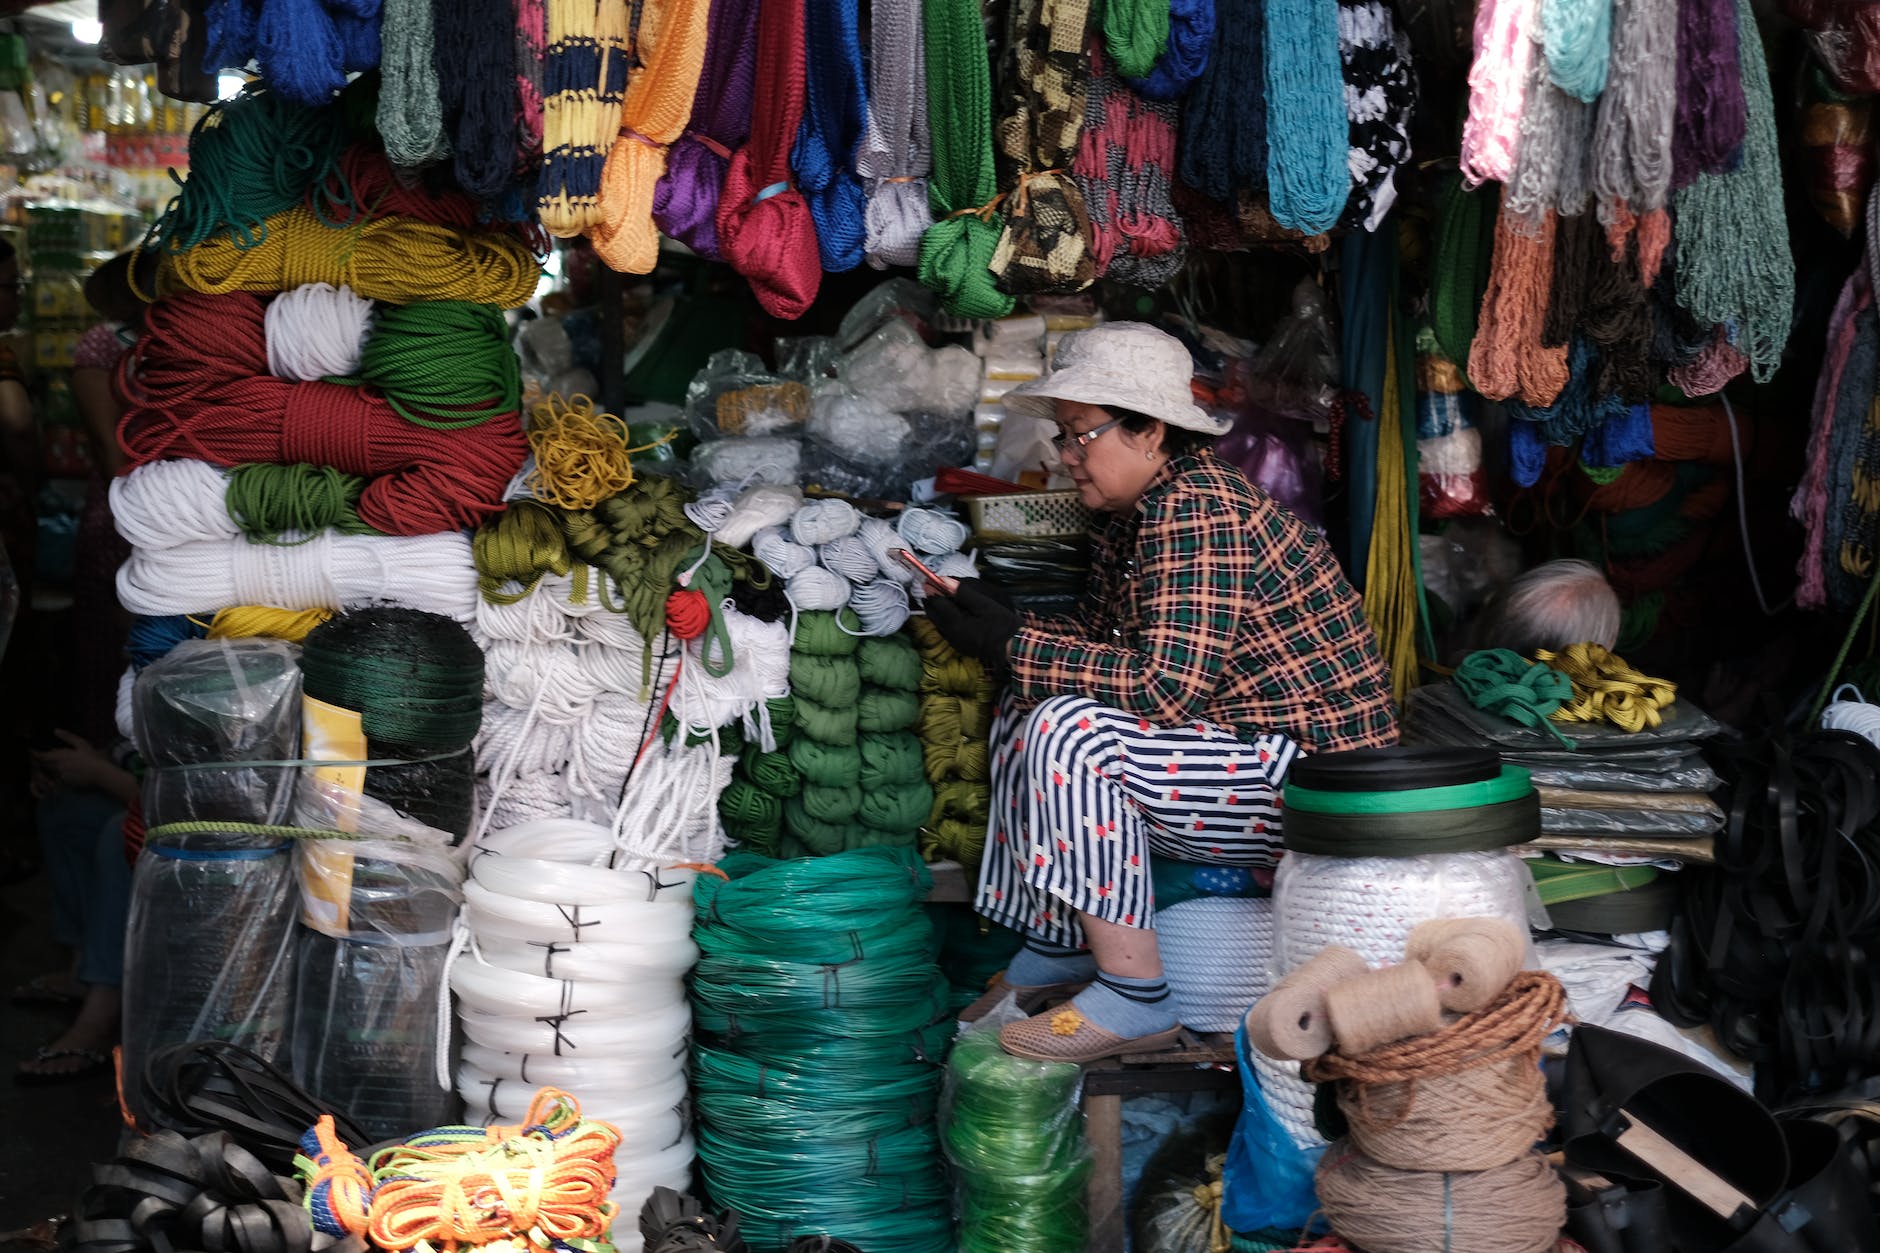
<point>245,621</point>
<point>397,260</point>
<point>581,453</point>
<point>1606,689</point>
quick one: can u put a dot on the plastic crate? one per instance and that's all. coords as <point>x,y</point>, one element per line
<point>1028,515</point>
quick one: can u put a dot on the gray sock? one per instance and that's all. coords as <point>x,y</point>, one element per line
<point>1038,964</point>
<point>1127,1007</point>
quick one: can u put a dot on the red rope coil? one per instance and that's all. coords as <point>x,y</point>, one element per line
<point>197,385</point>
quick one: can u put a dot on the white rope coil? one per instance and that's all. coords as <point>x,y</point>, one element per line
<point>598,1033</point>
<point>549,679</point>
<point>493,990</point>
<point>165,503</point>
<point>931,531</point>
<point>1216,952</point>
<point>429,572</point>
<point>758,509</point>
<point>817,588</point>
<point>585,843</point>
<point>850,557</point>
<point>820,521</point>
<point>595,961</point>
<point>624,1104</point>
<point>492,914</point>
<point>317,331</point>
<point>557,883</point>
<point>883,542</point>
<point>785,557</point>
<point>1371,904</point>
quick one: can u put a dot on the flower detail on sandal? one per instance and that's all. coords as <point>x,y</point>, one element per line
<point>1066,1022</point>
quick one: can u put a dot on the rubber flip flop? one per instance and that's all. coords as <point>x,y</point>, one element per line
<point>95,1063</point>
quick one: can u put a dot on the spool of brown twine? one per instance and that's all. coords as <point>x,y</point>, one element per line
<point>1515,1208</point>
<point>1380,1007</point>
<point>1472,959</point>
<point>1289,1022</point>
<point>1467,1097</point>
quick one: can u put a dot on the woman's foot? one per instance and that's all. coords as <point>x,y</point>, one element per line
<point>1114,1015</point>
<point>85,1047</point>
<point>1038,975</point>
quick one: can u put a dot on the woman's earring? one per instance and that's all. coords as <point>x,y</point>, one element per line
<point>1148,456</point>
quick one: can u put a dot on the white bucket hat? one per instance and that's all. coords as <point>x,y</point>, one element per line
<point>1131,365</point>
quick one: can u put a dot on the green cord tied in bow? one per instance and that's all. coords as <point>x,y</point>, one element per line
<point>1504,683</point>
<point>956,251</point>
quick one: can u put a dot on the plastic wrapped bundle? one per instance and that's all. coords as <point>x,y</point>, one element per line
<point>375,931</point>
<point>212,701</point>
<point>209,945</point>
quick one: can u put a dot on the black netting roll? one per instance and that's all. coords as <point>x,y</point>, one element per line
<point>214,701</point>
<point>209,953</point>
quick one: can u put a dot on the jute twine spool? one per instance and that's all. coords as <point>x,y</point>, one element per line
<point>1516,1208</point>
<point>1380,1007</point>
<point>1472,959</point>
<point>1289,1022</point>
<point>1466,1097</point>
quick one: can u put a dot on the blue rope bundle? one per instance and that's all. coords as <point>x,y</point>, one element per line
<point>834,113</point>
<point>474,54</point>
<point>1307,176</point>
<point>1185,59</point>
<point>1223,149</point>
<point>305,47</point>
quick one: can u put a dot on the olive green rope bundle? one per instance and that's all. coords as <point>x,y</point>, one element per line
<point>444,364</point>
<point>519,546</point>
<point>1459,265</point>
<point>291,504</point>
<point>956,706</point>
<point>642,540</point>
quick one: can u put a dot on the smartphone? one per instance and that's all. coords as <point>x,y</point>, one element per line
<point>939,582</point>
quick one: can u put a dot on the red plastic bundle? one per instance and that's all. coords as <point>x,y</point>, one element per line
<point>197,384</point>
<point>365,186</point>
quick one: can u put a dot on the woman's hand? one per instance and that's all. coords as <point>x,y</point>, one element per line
<point>976,620</point>
<point>80,767</point>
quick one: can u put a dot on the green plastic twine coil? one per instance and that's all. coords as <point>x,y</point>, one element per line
<point>823,764</point>
<point>888,760</point>
<point>821,1018</point>
<point>415,678</point>
<point>825,725</point>
<point>881,711</point>
<point>291,504</point>
<point>1014,1137</point>
<point>771,772</point>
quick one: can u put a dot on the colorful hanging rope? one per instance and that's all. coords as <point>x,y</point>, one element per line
<point>1125,167</point>
<point>1497,86</point>
<point>1550,168</point>
<point>659,96</point>
<point>764,225</point>
<point>1135,32</point>
<point>1712,113</point>
<point>584,80</point>
<point>1380,102</point>
<point>1506,357</point>
<point>1576,36</point>
<point>685,204</point>
<point>531,43</point>
<point>1632,125</point>
<point>1224,140</point>
<point>956,252</point>
<point>1185,57</point>
<point>474,63</point>
<point>1306,176</point>
<point>834,112</point>
<point>411,112</point>
<point>1734,265</point>
<point>1045,244</point>
<point>897,149</point>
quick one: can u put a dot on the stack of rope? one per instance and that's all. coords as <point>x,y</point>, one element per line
<point>956,706</point>
<point>832,557</point>
<point>816,1095</point>
<point>543,1179</point>
<point>570,971</point>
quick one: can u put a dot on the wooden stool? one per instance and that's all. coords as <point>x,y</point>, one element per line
<point>1188,1067</point>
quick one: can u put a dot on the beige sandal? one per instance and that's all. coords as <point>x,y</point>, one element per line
<point>1065,1035</point>
<point>1030,998</point>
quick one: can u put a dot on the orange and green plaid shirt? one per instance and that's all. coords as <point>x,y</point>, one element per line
<point>1212,601</point>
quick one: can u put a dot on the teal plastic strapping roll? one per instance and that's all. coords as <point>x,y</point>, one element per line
<point>1512,783</point>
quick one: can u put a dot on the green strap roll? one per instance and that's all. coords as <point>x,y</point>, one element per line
<point>1474,830</point>
<point>1512,782</point>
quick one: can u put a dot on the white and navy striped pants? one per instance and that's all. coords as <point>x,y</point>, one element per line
<point>1082,794</point>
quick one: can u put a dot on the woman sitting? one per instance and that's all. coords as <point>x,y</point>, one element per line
<point>1218,640</point>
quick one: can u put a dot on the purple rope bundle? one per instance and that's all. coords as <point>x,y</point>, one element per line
<point>1712,116</point>
<point>685,203</point>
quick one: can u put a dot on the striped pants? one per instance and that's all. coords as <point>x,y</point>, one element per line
<point>1082,794</point>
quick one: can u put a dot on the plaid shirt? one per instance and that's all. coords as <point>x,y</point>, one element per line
<point>1212,601</point>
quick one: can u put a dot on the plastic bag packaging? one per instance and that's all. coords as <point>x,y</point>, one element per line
<point>1648,823</point>
<point>1845,38</point>
<point>219,701</point>
<point>897,300</point>
<point>1267,1178</point>
<point>736,395</point>
<point>807,359</point>
<point>1276,451</point>
<point>772,461</point>
<point>1685,774</point>
<point>896,369</point>
<point>1296,372</point>
<point>371,943</point>
<point>866,433</point>
<point>1025,454</point>
<point>1450,476</point>
<point>1466,562</point>
<point>1013,1134</point>
<point>209,951</point>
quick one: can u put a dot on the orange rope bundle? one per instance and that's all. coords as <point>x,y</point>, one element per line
<point>1508,357</point>
<point>546,1177</point>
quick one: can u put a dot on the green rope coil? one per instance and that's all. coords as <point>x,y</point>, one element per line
<point>519,545</point>
<point>897,809</point>
<point>881,711</point>
<point>1014,1136</point>
<point>1502,682</point>
<point>889,760</point>
<point>825,725</point>
<point>1463,250</point>
<point>810,836</point>
<point>823,764</point>
<point>818,635</point>
<point>782,710</point>
<point>291,504</point>
<point>752,816</point>
<point>832,682</point>
<point>771,772</point>
<point>1135,32</point>
<point>445,364</point>
<point>834,805</point>
<point>889,661</point>
<point>642,540</point>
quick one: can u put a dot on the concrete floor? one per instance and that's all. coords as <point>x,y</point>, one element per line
<point>51,1134</point>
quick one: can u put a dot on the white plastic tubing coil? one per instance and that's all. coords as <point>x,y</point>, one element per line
<point>572,973</point>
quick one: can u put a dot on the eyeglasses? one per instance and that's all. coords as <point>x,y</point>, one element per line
<point>1072,443</point>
